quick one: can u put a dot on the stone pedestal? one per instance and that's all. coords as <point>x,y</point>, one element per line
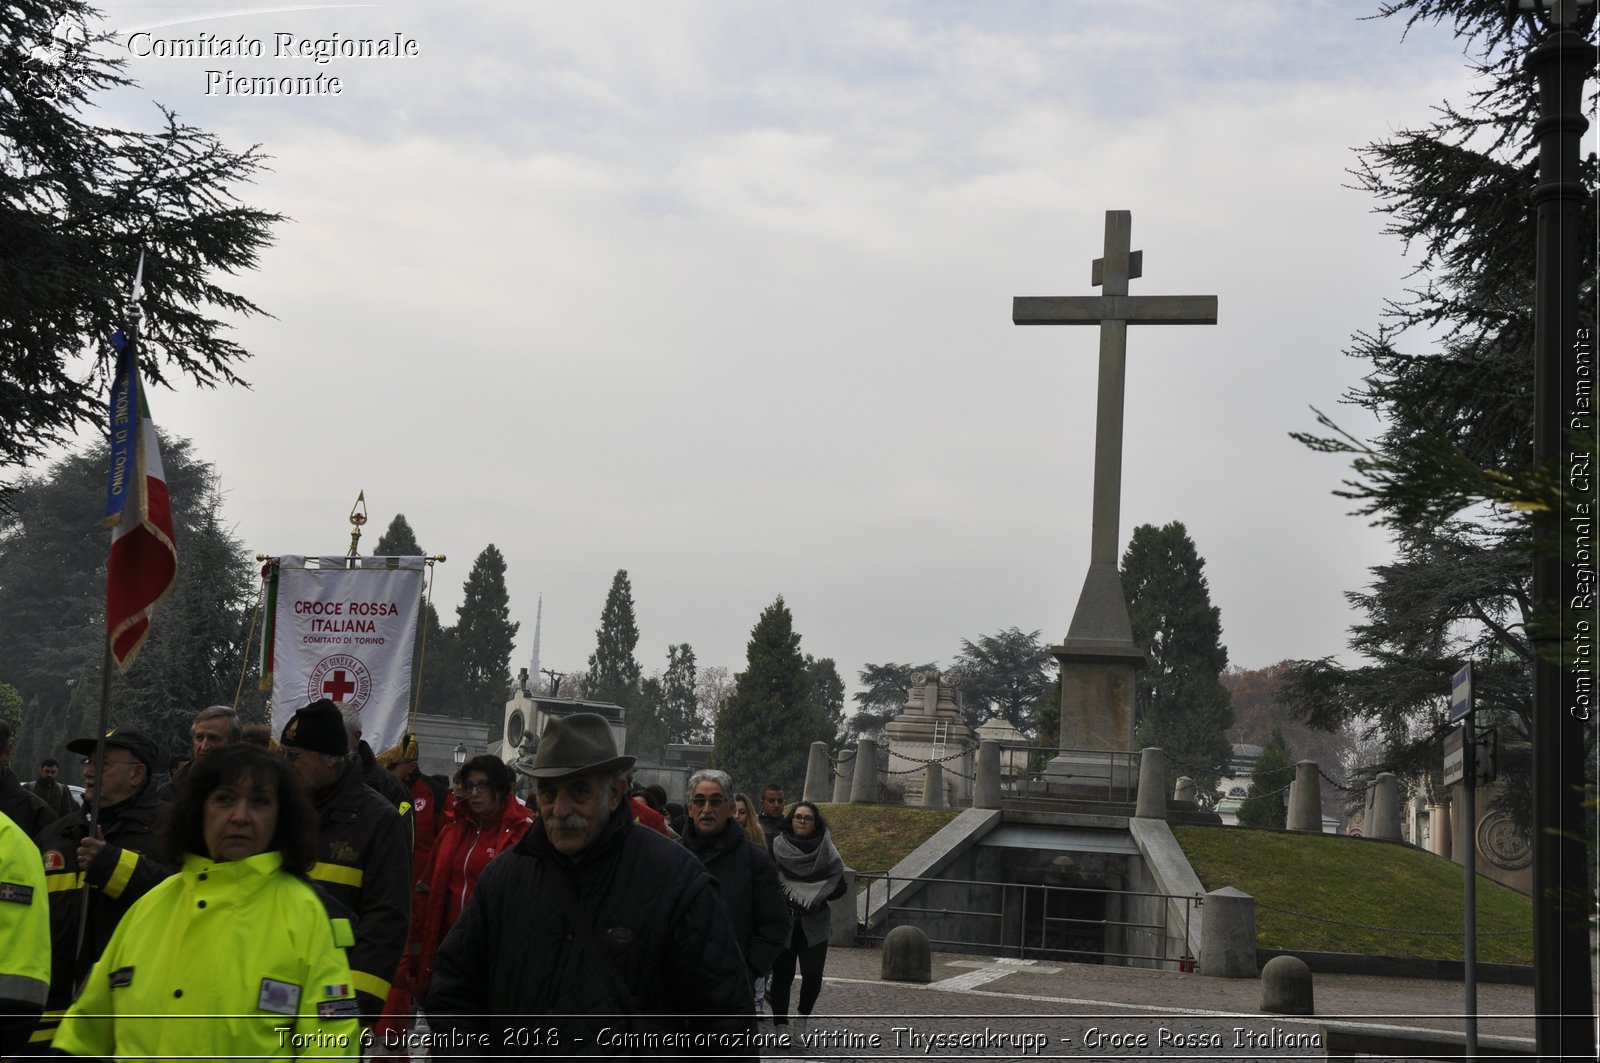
<point>1384,819</point>
<point>1439,830</point>
<point>864,779</point>
<point>846,771</point>
<point>818,786</point>
<point>930,728</point>
<point>1152,802</point>
<point>1183,791</point>
<point>988,793</point>
<point>1228,935</point>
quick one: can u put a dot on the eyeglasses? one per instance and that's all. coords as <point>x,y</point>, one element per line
<point>805,819</point>
<point>89,762</point>
<point>701,800</point>
<point>480,787</point>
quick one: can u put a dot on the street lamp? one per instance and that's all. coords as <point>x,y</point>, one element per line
<point>460,753</point>
<point>1563,356</point>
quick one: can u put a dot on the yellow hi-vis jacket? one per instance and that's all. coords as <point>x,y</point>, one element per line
<point>24,922</point>
<point>237,958</point>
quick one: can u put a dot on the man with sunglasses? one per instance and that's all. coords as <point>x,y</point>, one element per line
<point>744,870</point>
<point>104,866</point>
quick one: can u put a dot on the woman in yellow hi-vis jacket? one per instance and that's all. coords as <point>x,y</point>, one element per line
<point>236,955</point>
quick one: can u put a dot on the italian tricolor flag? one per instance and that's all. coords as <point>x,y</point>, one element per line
<point>143,565</point>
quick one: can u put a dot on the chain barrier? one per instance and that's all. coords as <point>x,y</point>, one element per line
<point>1337,785</point>
<point>917,765</point>
<point>1387,929</point>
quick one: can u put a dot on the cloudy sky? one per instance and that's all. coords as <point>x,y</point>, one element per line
<point>720,293</point>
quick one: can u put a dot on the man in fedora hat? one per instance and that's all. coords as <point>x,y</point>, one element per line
<point>105,866</point>
<point>592,927</point>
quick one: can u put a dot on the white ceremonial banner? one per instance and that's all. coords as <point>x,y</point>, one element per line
<point>347,634</point>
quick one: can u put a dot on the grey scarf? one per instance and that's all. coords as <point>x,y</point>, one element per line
<point>808,873</point>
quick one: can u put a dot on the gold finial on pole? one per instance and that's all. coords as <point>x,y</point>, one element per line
<point>358,517</point>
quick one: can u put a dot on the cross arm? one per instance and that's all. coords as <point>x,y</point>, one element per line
<point>1134,309</point>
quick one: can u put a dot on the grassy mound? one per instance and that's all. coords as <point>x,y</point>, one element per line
<point>877,837</point>
<point>1387,899</point>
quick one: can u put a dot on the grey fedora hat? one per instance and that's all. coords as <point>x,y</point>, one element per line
<point>580,744</point>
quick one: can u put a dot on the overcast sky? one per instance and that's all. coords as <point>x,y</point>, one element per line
<point>720,293</point>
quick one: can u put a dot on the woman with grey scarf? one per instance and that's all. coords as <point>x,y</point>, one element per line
<point>812,874</point>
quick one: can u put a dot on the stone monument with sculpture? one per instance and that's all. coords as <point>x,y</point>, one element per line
<point>930,728</point>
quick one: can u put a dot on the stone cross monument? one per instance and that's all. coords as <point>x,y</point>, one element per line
<point>1098,657</point>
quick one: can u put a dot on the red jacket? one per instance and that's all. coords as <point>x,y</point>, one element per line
<point>427,820</point>
<point>462,850</point>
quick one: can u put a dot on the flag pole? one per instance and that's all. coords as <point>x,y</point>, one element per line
<point>133,313</point>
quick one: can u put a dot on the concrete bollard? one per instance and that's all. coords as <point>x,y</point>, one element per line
<point>1152,803</point>
<point>1384,821</point>
<point>933,786</point>
<point>841,778</point>
<point>1439,830</point>
<point>816,787</point>
<point>1228,935</point>
<point>1184,790</point>
<point>1305,798</point>
<point>864,781</point>
<point>1286,986</point>
<point>906,956</point>
<point>986,794</point>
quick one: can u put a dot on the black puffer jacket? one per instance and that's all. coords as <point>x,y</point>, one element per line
<point>512,960</point>
<point>750,889</point>
<point>120,875</point>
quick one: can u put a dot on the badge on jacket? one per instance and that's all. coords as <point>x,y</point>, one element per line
<point>16,893</point>
<point>280,998</point>
<point>54,861</point>
<point>121,978</point>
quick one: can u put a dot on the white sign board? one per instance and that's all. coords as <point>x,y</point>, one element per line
<point>1461,693</point>
<point>1455,761</point>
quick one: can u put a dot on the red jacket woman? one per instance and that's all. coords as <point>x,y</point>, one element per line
<point>488,822</point>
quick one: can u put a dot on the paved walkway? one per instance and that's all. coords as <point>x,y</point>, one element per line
<point>979,1008</point>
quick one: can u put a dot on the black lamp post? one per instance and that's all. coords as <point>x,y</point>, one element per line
<point>460,754</point>
<point>1563,372</point>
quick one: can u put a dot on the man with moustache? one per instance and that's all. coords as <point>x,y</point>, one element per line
<point>627,949</point>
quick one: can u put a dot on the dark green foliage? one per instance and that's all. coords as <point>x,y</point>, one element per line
<point>882,697</point>
<point>398,540</point>
<point>1181,704</point>
<point>443,672</point>
<point>1008,674</point>
<point>613,671</point>
<point>667,709</point>
<point>1457,410</point>
<point>78,201</point>
<point>1265,803</point>
<point>10,706</point>
<point>765,730</point>
<point>483,636</point>
<point>825,695</point>
<point>52,632</point>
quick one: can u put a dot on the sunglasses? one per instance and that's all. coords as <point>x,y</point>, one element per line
<point>701,800</point>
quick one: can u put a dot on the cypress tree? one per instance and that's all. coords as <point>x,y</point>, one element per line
<point>613,670</point>
<point>484,633</point>
<point>766,728</point>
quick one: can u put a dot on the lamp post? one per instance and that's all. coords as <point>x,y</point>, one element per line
<point>460,754</point>
<point>1563,363</point>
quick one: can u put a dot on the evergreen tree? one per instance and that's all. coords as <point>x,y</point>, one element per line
<point>52,579</point>
<point>483,636</point>
<point>1449,372</point>
<point>765,731</point>
<point>79,199</point>
<point>667,710</point>
<point>613,670</point>
<point>882,697</point>
<point>825,695</point>
<point>398,540</point>
<point>1265,803</point>
<point>1180,703</point>
<point>1007,674</point>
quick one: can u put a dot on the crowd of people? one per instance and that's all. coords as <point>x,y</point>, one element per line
<point>303,898</point>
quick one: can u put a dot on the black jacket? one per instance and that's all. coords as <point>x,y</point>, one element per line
<point>55,794</point>
<point>364,863</point>
<point>750,889</point>
<point>119,876</point>
<point>26,808</point>
<point>512,959</point>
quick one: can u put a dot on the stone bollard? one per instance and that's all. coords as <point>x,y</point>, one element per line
<point>1228,935</point>
<point>864,781</point>
<point>1184,790</point>
<point>816,787</point>
<point>906,956</point>
<point>1152,803</point>
<point>1286,986</point>
<point>986,793</point>
<point>841,778</point>
<point>1384,821</point>
<point>1439,829</point>
<point>933,786</point>
<point>1305,798</point>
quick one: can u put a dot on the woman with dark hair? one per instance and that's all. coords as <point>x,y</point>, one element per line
<point>488,822</point>
<point>812,874</point>
<point>237,946</point>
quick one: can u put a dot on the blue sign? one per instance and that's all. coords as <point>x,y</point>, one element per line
<point>1461,693</point>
